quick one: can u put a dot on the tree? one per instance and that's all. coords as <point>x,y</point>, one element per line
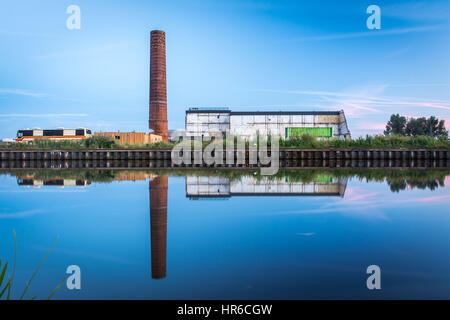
<point>416,127</point>
<point>431,127</point>
<point>436,128</point>
<point>396,125</point>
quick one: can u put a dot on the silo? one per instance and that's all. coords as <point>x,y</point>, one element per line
<point>158,90</point>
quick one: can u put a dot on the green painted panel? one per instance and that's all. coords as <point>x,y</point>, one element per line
<point>316,132</point>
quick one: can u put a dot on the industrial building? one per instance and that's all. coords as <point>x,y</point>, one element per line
<point>157,98</point>
<point>321,124</point>
<point>220,187</point>
<point>130,137</point>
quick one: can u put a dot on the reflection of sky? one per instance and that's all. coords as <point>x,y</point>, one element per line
<point>242,247</point>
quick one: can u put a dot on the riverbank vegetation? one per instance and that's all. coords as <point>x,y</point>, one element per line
<point>415,127</point>
<point>381,142</point>
<point>397,179</point>
<point>97,142</point>
<point>305,141</point>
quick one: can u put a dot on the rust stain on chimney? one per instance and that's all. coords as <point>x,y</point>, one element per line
<point>158,90</point>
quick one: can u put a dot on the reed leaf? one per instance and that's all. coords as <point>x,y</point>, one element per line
<point>4,289</point>
<point>2,274</point>
<point>56,289</point>
<point>10,279</point>
<point>37,269</point>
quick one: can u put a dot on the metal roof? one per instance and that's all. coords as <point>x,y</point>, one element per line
<point>281,113</point>
<point>263,113</point>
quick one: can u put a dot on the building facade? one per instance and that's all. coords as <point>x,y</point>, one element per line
<point>220,187</point>
<point>286,124</point>
<point>130,137</point>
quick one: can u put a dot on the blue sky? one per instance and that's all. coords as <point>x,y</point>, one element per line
<point>245,55</point>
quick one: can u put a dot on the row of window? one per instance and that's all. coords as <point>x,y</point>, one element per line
<point>51,132</point>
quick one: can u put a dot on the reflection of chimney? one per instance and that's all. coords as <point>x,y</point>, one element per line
<point>158,226</point>
<point>158,91</point>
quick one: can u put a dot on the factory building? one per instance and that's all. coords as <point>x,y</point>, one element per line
<point>198,187</point>
<point>130,137</point>
<point>157,98</point>
<point>287,124</point>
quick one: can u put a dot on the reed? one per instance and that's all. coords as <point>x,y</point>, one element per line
<point>9,284</point>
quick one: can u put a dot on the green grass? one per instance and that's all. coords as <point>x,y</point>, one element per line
<point>367,142</point>
<point>306,141</point>
<point>89,143</point>
<point>9,284</point>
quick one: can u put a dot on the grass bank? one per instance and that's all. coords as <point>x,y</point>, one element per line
<point>306,142</point>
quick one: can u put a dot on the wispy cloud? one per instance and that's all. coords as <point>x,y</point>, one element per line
<point>418,10</point>
<point>21,214</point>
<point>447,181</point>
<point>368,99</point>
<point>22,92</point>
<point>372,126</point>
<point>359,195</point>
<point>433,199</point>
<point>42,115</point>
<point>372,33</point>
<point>92,51</point>
<point>24,34</point>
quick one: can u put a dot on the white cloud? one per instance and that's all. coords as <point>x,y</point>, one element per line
<point>365,100</point>
<point>92,51</point>
<point>22,92</point>
<point>373,33</point>
<point>20,214</point>
<point>42,115</point>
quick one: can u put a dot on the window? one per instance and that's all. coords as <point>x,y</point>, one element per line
<point>117,137</point>
<point>89,131</point>
<point>24,133</point>
<point>54,182</point>
<point>316,132</point>
<point>50,133</point>
<point>79,132</point>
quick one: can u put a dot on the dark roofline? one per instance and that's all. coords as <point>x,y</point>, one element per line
<point>270,113</point>
<point>208,111</point>
<point>274,113</point>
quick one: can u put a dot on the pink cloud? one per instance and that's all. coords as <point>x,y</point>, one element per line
<point>433,199</point>
<point>371,126</point>
<point>447,181</point>
<point>358,194</point>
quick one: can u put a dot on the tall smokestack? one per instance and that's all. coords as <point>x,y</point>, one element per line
<point>158,91</point>
<point>158,225</point>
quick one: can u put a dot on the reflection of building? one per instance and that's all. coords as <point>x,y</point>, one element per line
<point>158,225</point>
<point>133,176</point>
<point>59,182</point>
<point>216,187</point>
<point>321,124</point>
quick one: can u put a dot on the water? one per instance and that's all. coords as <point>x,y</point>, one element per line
<point>229,234</point>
